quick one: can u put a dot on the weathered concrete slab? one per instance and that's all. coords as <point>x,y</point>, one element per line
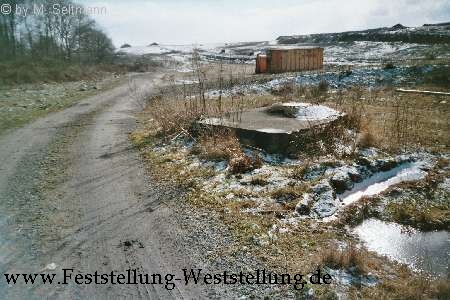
<point>277,127</point>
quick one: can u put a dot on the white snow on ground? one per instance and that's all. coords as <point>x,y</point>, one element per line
<point>366,52</point>
<point>186,81</point>
<point>272,130</point>
<point>165,48</point>
<point>383,180</point>
<point>316,113</point>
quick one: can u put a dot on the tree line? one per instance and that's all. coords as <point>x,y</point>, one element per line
<point>42,36</point>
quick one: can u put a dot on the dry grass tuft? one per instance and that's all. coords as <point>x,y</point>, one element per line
<point>260,180</point>
<point>350,258</point>
<point>298,172</point>
<point>356,212</point>
<point>217,147</point>
<point>225,146</point>
<point>171,116</point>
<point>289,193</point>
<point>241,163</point>
<point>441,289</point>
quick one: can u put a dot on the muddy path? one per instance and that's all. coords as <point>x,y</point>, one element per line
<point>74,194</point>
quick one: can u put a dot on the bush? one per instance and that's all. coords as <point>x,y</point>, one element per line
<point>241,163</point>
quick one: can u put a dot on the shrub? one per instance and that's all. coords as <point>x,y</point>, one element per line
<point>241,163</point>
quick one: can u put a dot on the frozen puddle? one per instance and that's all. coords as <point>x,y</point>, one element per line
<point>422,251</point>
<point>383,180</point>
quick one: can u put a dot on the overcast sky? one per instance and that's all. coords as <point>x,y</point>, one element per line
<point>141,22</point>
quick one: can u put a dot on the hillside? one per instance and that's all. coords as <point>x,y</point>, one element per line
<point>426,34</point>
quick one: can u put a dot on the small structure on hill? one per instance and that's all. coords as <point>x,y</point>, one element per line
<point>280,60</point>
<point>280,128</point>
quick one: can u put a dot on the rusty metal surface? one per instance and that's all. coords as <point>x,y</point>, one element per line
<point>292,60</point>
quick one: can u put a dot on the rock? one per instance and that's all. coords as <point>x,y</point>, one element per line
<point>326,205</point>
<point>260,240</point>
<point>229,196</point>
<point>369,153</point>
<point>325,200</point>
<point>341,180</point>
<point>445,185</point>
<point>322,187</point>
<point>354,173</point>
<point>51,266</point>
<point>385,164</point>
<point>303,207</point>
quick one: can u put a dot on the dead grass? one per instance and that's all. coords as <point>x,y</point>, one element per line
<point>418,215</point>
<point>299,171</point>
<point>293,251</point>
<point>357,212</point>
<point>394,121</point>
<point>376,116</point>
<point>415,289</point>
<point>241,163</point>
<point>288,193</point>
<point>260,180</point>
<point>217,147</point>
<point>351,259</point>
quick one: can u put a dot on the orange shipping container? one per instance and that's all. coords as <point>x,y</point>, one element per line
<point>261,64</point>
<point>290,60</point>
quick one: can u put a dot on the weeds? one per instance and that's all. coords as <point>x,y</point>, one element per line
<point>350,258</point>
<point>241,163</point>
<point>217,147</point>
<point>289,193</point>
<point>299,171</point>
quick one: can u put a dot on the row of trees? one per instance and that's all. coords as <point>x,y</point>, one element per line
<point>42,35</point>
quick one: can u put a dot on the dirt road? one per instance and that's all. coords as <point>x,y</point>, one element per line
<point>73,194</point>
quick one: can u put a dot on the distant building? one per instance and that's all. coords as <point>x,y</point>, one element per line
<point>280,60</point>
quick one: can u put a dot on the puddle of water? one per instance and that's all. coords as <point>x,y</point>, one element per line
<point>382,181</point>
<point>422,251</point>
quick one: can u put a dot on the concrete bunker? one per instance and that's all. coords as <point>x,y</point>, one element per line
<point>281,128</point>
